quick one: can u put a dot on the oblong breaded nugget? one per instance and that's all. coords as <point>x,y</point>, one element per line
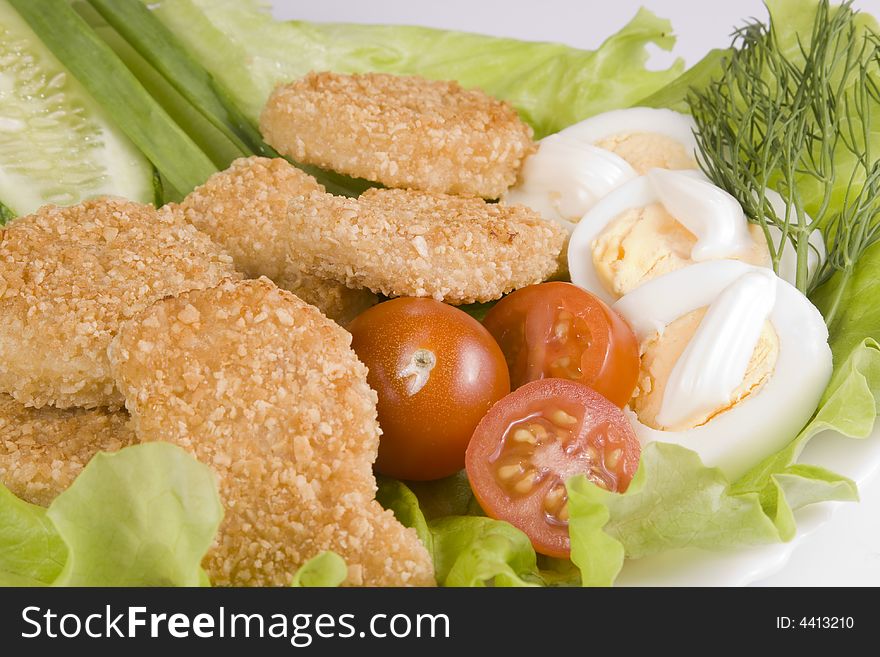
<point>266,390</point>
<point>69,276</point>
<point>43,450</point>
<point>400,131</point>
<point>408,243</point>
<point>244,209</point>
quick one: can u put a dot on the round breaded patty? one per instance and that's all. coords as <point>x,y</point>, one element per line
<point>266,390</point>
<point>400,131</point>
<point>43,450</point>
<point>244,209</point>
<point>69,276</point>
<point>408,243</point>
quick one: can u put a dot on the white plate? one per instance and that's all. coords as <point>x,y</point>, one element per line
<point>837,543</point>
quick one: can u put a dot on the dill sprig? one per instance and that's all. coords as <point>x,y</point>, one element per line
<point>776,119</point>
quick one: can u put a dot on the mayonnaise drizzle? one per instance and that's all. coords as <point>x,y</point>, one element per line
<point>714,363</point>
<point>709,212</point>
<point>566,176</point>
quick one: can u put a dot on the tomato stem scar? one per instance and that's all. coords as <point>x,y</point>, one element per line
<point>418,370</point>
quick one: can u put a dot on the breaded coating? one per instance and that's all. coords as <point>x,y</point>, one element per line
<point>408,243</point>
<point>69,276</point>
<point>266,390</point>
<point>244,209</point>
<point>400,131</point>
<point>43,450</point>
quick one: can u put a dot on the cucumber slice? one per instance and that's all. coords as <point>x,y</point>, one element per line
<point>56,144</point>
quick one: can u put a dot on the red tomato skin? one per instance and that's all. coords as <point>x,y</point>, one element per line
<point>424,435</point>
<point>522,321</point>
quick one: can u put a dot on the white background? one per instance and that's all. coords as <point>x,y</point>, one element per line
<point>843,551</point>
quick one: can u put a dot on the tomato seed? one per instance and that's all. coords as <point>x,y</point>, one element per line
<point>525,484</point>
<point>508,472</point>
<point>563,513</point>
<point>563,419</point>
<point>612,459</point>
<point>538,430</point>
<point>554,498</point>
<point>560,330</point>
<point>524,436</point>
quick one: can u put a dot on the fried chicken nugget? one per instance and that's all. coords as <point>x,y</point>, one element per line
<point>70,275</point>
<point>244,209</point>
<point>408,243</point>
<point>43,450</point>
<point>400,131</point>
<point>266,390</point>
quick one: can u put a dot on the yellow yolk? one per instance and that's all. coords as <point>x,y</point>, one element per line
<point>648,150</point>
<point>643,243</point>
<point>660,354</point>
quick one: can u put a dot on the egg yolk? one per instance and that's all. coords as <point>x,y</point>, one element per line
<point>644,243</point>
<point>648,150</point>
<point>660,354</point>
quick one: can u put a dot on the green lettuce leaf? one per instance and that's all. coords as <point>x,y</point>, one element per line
<point>551,85</point>
<point>397,497</point>
<point>466,550</point>
<point>144,516</point>
<point>674,95</point>
<point>31,552</point>
<point>478,551</point>
<point>858,315</point>
<point>451,496</point>
<point>597,555</point>
<point>327,570</point>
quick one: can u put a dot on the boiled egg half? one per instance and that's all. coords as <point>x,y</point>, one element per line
<point>734,361</point>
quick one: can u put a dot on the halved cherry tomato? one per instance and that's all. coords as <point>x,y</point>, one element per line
<point>436,371</point>
<point>558,330</point>
<point>533,441</point>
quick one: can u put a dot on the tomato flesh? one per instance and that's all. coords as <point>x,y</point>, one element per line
<point>436,371</point>
<point>533,441</point>
<point>558,330</point>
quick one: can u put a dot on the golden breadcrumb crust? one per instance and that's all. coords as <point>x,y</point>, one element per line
<point>408,243</point>
<point>244,209</point>
<point>400,131</point>
<point>43,450</point>
<point>266,390</point>
<point>69,276</point>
